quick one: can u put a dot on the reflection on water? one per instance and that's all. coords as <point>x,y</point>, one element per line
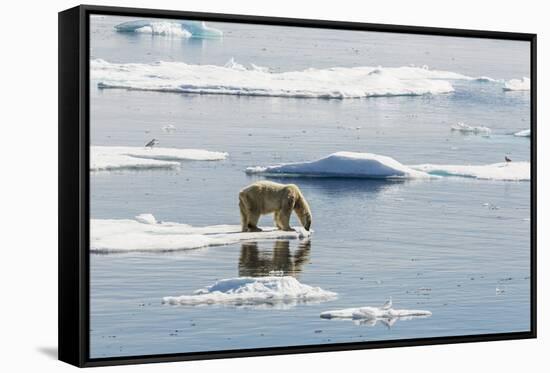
<point>342,186</point>
<point>256,261</point>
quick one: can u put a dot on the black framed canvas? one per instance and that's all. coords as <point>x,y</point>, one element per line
<point>235,186</point>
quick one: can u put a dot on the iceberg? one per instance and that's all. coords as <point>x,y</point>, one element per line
<point>185,29</point>
<point>505,171</point>
<point>199,29</point>
<point>523,133</point>
<point>235,79</point>
<point>107,158</point>
<point>523,84</point>
<point>345,164</point>
<point>146,234</point>
<point>464,128</point>
<point>384,313</point>
<point>257,292</point>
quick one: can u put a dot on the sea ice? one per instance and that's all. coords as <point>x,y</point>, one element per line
<point>164,28</point>
<point>385,312</point>
<point>464,128</point>
<point>344,164</point>
<point>523,84</point>
<point>255,291</point>
<point>368,165</point>
<point>136,157</point>
<point>185,29</point>
<point>236,79</point>
<point>512,171</point>
<point>523,133</point>
<point>146,234</point>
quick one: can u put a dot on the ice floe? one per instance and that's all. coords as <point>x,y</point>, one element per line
<point>384,313</point>
<point>106,158</point>
<point>146,234</point>
<point>164,28</point>
<point>270,291</point>
<point>523,133</point>
<point>523,84</point>
<point>185,29</point>
<point>344,164</point>
<point>505,171</point>
<point>465,128</point>
<point>169,128</point>
<point>236,79</point>
<point>374,166</point>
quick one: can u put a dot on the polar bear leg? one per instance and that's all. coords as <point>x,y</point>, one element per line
<point>249,216</point>
<point>253,218</point>
<point>277,220</point>
<point>283,220</point>
<point>244,216</point>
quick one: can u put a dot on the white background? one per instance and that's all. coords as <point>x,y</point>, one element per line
<point>28,187</point>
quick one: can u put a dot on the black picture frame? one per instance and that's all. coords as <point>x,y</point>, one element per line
<point>74,209</point>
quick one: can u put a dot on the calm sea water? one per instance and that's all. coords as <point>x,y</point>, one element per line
<point>431,245</point>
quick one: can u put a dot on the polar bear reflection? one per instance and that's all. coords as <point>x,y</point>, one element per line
<point>256,262</point>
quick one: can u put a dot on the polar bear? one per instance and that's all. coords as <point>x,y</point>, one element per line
<point>266,197</point>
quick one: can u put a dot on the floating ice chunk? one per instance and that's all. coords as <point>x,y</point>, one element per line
<point>232,64</point>
<point>255,291</point>
<point>146,219</point>
<point>164,28</point>
<point>344,164</point>
<point>511,171</point>
<point>523,84</point>
<point>386,312</point>
<point>199,29</point>
<point>169,128</point>
<point>235,79</point>
<point>523,133</point>
<point>146,234</point>
<point>186,29</point>
<point>464,128</point>
<point>135,157</point>
<point>367,165</point>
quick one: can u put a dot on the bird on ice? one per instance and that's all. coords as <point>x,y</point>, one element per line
<point>151,143</point>
<point>507,159</point>
<point>387,305</point>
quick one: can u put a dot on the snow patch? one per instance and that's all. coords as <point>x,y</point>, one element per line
<point>254,291</point>
<point>146,234</point>
<point>236,79</point>
<point>106,158</point>
<point>344,164</point>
